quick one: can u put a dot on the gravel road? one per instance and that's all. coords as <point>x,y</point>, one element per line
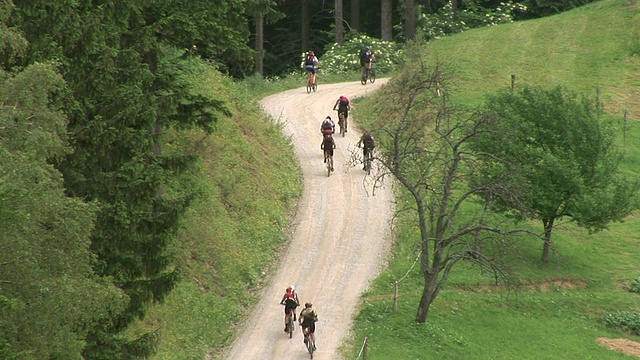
<point>340,234</point>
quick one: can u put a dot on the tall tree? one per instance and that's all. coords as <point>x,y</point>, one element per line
<point>386,20</point>
<point>49,296</point>
<point>355,15</point>
<point>565,154</point>
<point>259,43</point>
<point>262,10</point>
<point>338,14</point>
<point>410,20</point>
<point>130,86</point>
<point>305,30</point>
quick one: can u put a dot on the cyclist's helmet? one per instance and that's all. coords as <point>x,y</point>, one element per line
<point>292,288</point>
<point>367,48</point>
<point>308,305</point>
<point>328,118</point>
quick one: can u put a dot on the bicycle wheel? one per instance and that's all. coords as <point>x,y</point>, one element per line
<point>341,124</point>
<point>363,80</point>
<point>291,326</point>
<point>372,76</point>
<point>315,87</point>
<point>310,345</point>
<point>308,88</point>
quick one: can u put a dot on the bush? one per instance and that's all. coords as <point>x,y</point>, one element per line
<point>634,287</point>
<point>341,59</point>
<point>445,23</point>
<point>624,320</point>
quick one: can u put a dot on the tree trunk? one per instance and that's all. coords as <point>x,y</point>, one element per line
<point>260,45</point>
<point>355,15</point>
<point>428,295</point>
<point>305,25</point>
<point>548,242</point>
<point>410,21</point>
<point>454,9</point>
<point>386,20</point>
<point>339,24</point>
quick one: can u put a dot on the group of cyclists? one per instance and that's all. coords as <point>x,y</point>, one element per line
<point>307,318</point>
<point>311,63</point>
<point>328,128</point>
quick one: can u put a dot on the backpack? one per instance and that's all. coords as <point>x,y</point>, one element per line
<point>310,61</point>
<point>368,142</point>
<point>289,295</point>
<point>344,102</point>
<point>327,128</point>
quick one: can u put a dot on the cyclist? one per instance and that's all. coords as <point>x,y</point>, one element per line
<point>328,127</point>
<point>291,302</point>
<point>366,58</point>
<point>307,319</point>
<point>343,107</point>
<point>368,143</point>
<point>328,144</point>
<point>311,65</point>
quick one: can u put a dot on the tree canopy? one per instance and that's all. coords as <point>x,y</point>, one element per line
<point>564,154</point>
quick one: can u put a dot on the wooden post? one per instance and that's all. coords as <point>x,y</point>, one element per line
<point>365,350</point>
<point>513,82</point>
<point>624,132</point>
<point>395,297</point>
<point>438,84</point>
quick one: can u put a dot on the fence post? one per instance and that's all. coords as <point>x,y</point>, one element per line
<point>395,297</point>
<point>365,351</point>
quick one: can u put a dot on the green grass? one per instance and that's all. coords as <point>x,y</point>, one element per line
<point>230,238</point>
<point>558,311</point>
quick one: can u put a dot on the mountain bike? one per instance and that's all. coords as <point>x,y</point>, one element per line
<point>368,74</point>
<point>311,82</point>
<point>368,160</point>
<point>329,160</point>
<point>342,123</point>
<point>311,346</point>
<point>291,325</point>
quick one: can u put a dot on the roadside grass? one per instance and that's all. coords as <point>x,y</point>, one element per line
<point>231,235</point>
<point>557,309</point>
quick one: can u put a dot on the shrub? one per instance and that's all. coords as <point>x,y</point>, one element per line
<point>341,59</point>
<point>635,286</point>
<point>624,320</point>
<point>445,23</point>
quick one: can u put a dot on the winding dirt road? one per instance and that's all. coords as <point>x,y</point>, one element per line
<point>340,237</point>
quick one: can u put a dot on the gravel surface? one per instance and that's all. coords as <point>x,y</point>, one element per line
<point>340,234</point>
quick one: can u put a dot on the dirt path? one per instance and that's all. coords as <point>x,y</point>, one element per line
<point>340,234</point>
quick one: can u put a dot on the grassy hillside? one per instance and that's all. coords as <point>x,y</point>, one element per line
<point>558,313</point>
<point>231,236</point>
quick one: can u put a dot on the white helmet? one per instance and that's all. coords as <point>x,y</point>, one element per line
<point>292,287</point>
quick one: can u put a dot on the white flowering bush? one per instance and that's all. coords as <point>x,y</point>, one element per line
<point>341,59</point>
<point>444,23</point>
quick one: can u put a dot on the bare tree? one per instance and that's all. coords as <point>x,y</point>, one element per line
<point>424,147</point>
